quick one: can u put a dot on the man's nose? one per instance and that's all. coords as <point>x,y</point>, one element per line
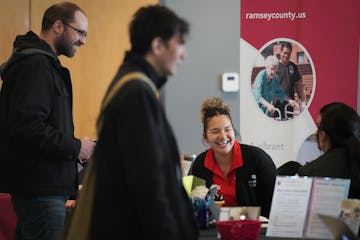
<point>82,40</point>
<point>183,54</point>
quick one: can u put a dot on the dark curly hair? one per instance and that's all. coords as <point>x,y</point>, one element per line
<point>212,107</point>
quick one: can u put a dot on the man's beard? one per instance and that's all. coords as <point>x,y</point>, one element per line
<point>64,47</point>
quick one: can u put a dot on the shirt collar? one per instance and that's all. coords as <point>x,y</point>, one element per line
<point>145,66</point>
<point>236,160</point>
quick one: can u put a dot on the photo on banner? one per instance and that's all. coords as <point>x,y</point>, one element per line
<point>294,79</point>
<point>329,71</point>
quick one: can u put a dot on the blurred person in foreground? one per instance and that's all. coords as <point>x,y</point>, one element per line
<point>246,174</point>
<point>338,136</point>
<point>38,163</point>
<point>138,192</point>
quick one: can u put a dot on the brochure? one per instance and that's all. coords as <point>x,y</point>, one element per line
<point>297,201</point>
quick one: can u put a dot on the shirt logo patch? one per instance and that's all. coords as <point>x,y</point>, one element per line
<point>252,181</point>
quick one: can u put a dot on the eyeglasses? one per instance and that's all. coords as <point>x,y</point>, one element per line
<point>81,33</point>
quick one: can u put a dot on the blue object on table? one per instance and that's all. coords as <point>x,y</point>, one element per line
<point>201,211</point>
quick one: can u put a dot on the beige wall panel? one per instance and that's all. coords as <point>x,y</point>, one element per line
<point>14,20</point>
<point>94,64</point>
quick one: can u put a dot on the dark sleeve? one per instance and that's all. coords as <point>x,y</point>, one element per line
<point>266,175</point>
<point>30,108</point>
<point>144,159</point>
<point>307,169</point>
<point>319,166</point>
<point>296,75</point>
<point>289,168</point>
<point>298,83</point>
<point>197,165</point>
<point>198,170</point>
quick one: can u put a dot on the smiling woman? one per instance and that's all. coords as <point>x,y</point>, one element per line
<point>245,174</point>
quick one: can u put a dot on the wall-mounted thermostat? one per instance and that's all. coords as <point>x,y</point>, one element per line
<point>230,82</point>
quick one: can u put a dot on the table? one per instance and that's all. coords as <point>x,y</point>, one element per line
<point>211,234</point>
<point>7,217</point>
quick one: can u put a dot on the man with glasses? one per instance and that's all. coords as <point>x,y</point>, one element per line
<point>38,163</point>
<point>82,33</point>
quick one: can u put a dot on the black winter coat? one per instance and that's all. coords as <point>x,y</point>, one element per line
<point>139,192</point>
<point>38,150</point>
<point>335,164</point>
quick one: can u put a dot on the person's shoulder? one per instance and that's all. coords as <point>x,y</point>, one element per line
<point>133,80</point>
<point>262,72</point>
<point>200,158</point>
<point>312,167</point>
<point>334,156</point>
<point>260,75</point>
<point>33,59</point>
<point>127,91</point>
<point>294,65</point>
<point>330,164</point>
<point>197,167</point>
<point>251,149</point>
<point>281,65</point>
<point>29,64</point>
<point>254,153</point>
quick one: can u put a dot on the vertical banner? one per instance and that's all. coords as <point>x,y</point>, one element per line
<point>295,57</point>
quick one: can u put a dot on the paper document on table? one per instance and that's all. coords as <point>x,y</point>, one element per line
<point>287,214</point>
<point>326,198</point>
<point>297,201</point>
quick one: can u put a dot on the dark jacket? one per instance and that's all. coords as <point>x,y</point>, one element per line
<point>139,192</point>
<point>254,180</point>
<point>334,163</point>
<point>38,149</point>
<point>288,76</point>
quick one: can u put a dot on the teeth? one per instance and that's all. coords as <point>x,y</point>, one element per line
<point>222,143</point>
